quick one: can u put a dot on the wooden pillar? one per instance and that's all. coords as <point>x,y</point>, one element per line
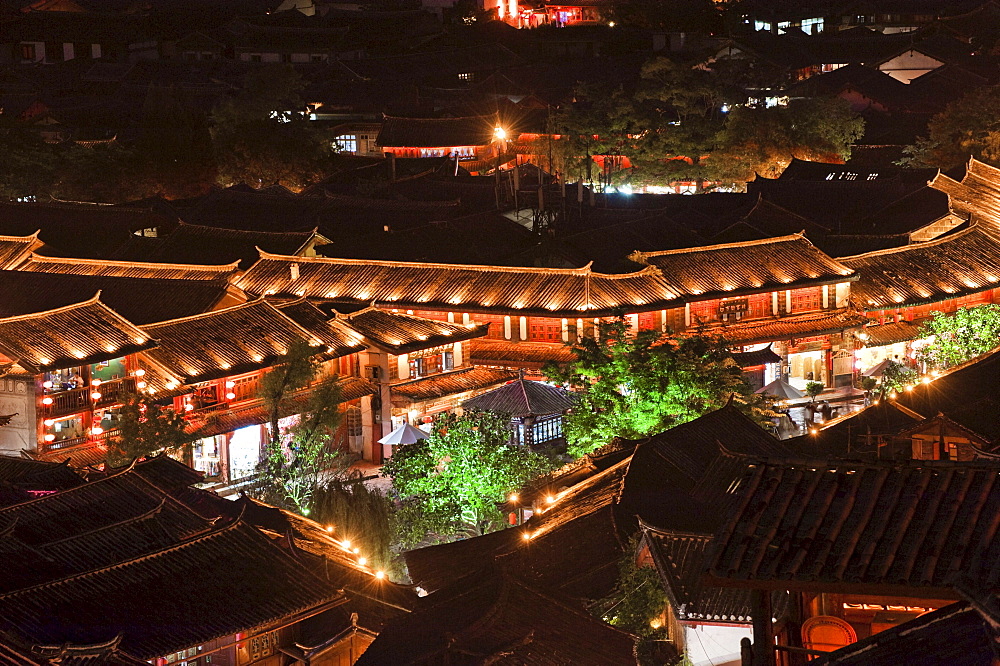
<point>763,631</point>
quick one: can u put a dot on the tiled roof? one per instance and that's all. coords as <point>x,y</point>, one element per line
<point>680,560</point>
<point>83,230</point>
<point>546,291</point>
<point>37,475</point>
<point>978,193</point>
<point>792,326</point>
<point>140,300</point>
<point>86,332</point>
<point>15,249</point>
<point>887,334</point>
<point>226,342</point>
<point>449,383</point>
<point>949,267</point>
<point>148,599</point>
<point>517,354</point>
<point>785,262</point>
<point>435,132</point>
<point>89,527</point>
<point>401,333</point>
<point>956,635</point>
<point>889,528</point>
<point>523,398</point>
<point>201,245</point>
<point>340,340</point>
<point>44,264</point>
<point>500,619</point>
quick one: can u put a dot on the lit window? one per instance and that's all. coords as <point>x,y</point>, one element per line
<point>466,76</point>
<point>346,143</point>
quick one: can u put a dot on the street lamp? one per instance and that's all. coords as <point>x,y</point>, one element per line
<point>499,133</point>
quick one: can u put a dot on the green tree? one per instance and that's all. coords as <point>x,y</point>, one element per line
<point>968,126</point>
<point>760,140</point>
<point>145,429</point>
<point>813,389</point>
<point>464,470</point>
<point>298,457</point>
<point>263,135</point>
<point>638,384</point>
<point>28,167</point>
<point>174,148</point>
<point>682,106</point>
<point>637,605</point>
<point>360,514</point>
<point>959,337</point>
<point>895,378</point>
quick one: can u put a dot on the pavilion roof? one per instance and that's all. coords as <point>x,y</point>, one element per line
<point>400,333</point>
<point>883,527</point>
<point>792,326</point>
<point>45,264</point>
<point>15,249</point>
<point>785,262</point>
<point>245,337</point>
<point>86,332</point>
<point>547,291</point>
<point>91,526</point>
<point>523,398</point>
<point>949,267</point>
<point>978,193</point>
<point>204,245</point>
<point>505,353</point>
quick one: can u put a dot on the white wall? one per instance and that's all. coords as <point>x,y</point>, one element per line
<point>713,644</point>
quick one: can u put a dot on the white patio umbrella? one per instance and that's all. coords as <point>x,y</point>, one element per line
<point>404,434</point>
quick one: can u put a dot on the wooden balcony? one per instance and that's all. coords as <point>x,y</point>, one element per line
<point>68,402</point>
<point>113,391</point>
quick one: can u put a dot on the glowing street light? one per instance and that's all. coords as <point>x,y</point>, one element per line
<point>499,133</point>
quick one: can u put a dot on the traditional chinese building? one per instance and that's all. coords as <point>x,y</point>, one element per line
<point>863,546</point>
<point>120,558</point>
<point>781,291</point>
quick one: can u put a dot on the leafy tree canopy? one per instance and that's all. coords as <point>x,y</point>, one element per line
<point>968,126</point>
<point>681,122</point>
<point>757,140</point>
<point>464,470</point>
<point>297,457</point>
<point>146,429</point>
<point>638,384</point>
<point>959,337</point>
<point>263,136</point>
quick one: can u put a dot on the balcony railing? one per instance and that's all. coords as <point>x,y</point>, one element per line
<point>67,402</point>
<point>113,391</point>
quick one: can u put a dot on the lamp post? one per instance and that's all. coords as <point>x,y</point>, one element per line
<point>500,138</point>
